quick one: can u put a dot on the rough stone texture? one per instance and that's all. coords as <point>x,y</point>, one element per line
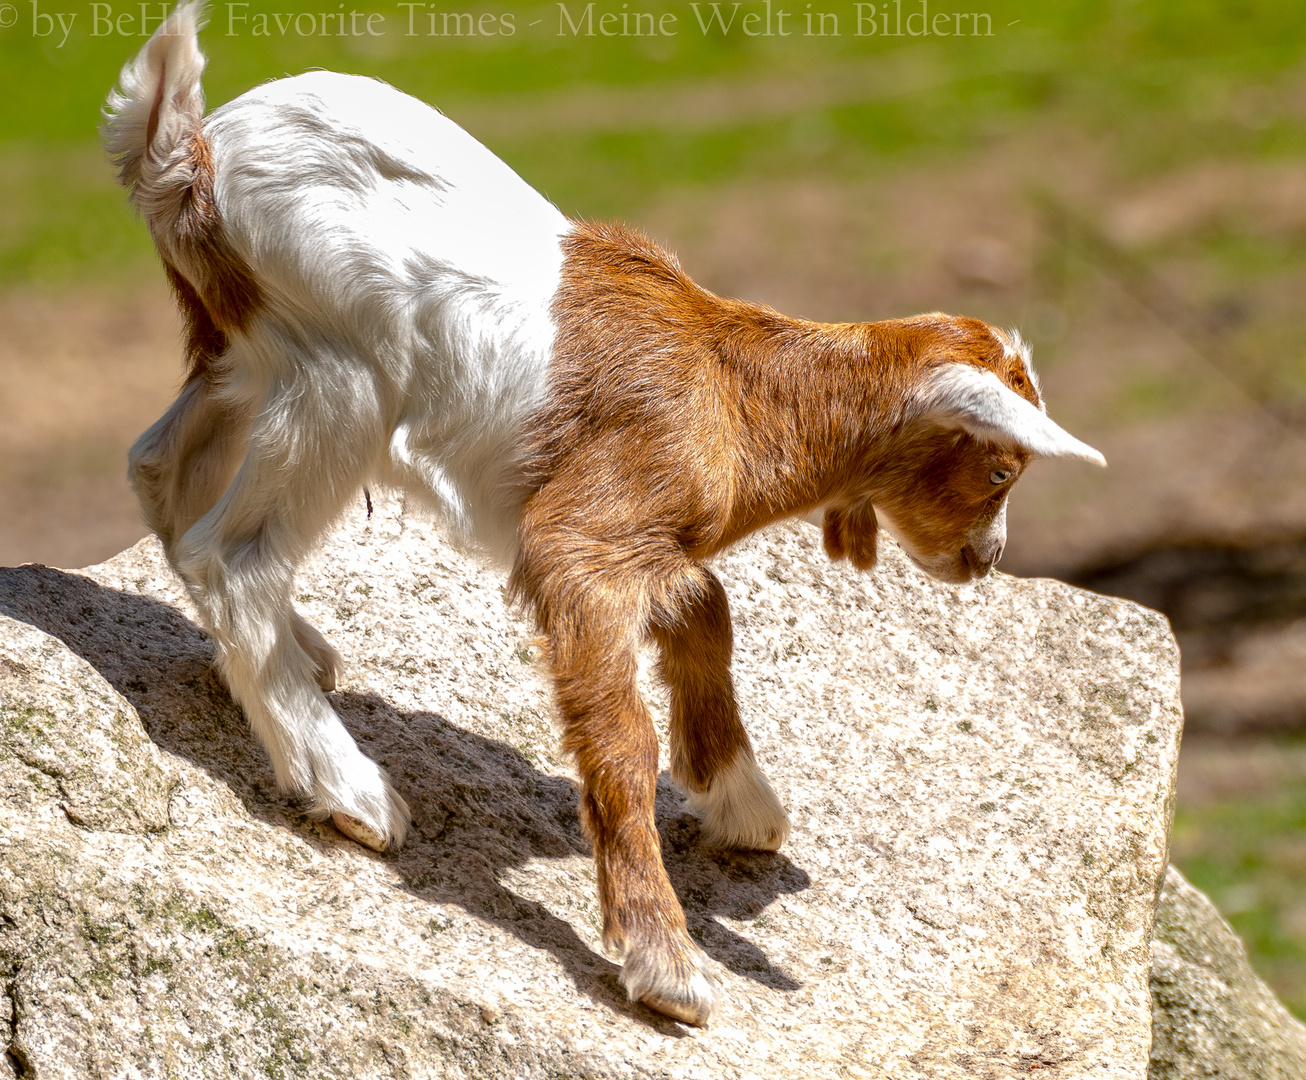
<point>1212,1016</point>
<point>71,741</point>
<point>980,780</point>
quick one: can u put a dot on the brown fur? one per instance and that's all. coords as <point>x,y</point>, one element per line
<point>225,295</point>
<point>679,422</point>
<point>675,424</point>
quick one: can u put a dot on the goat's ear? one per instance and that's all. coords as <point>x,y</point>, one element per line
<point>964,396</point>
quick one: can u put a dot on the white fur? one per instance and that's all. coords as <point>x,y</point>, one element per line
<point>167,72</point>
<point>403,336</point>
<point>670,984</point>
<point>740,809</point>
<point>989,539</point>
<point>405,332</point>
<point>408,261</point>
<point>975,400</point>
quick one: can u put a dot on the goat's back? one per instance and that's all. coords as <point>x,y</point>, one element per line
<point>401,264</point>
<point>325,165</point>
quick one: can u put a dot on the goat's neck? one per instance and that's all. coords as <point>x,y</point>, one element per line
<point>817,407</point>
<point>744,415</point>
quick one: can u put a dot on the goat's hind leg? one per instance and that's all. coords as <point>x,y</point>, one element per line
<point>182,464</point>
<point>711,757</point>
<point>180,467</point>
<point>239,562</point>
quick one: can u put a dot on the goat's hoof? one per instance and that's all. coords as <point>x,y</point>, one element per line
<point>695,1008</point>
<point>361,803</point>
<point>359,831</point>
<point>677,987</point>
<point>740,810</point>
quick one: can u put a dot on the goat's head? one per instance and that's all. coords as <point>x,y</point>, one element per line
<point>972,422</point>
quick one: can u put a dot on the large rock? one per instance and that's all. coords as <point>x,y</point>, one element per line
<point>980,780</point>
<point>1212,1016</point>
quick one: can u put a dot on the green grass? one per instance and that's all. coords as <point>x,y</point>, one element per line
<point>1249,855</point>
<point>1158,84</point>
<point>63,219</point>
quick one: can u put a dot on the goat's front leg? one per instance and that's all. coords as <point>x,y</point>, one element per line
<point>593,588</point>
<point>711,757</point>
<point>608,730</point>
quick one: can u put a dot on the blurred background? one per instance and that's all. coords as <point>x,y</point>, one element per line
<point>1123,180</point>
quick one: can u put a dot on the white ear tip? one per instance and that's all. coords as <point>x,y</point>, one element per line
<point>1082,452</point>
<point>1054,441</point>
<point>974,399</point>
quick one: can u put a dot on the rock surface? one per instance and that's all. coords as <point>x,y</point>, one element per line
<point>1212,1016</point>
<point>980,781</point>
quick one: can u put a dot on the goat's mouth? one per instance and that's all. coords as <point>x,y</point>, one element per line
<point>959,568</point>
<point>956,569</point>
<point>953,568</point>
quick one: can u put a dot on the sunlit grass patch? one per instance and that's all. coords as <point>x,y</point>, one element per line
<point>1244,844</point>
<point>1156,85</point>
<point>63,220</point>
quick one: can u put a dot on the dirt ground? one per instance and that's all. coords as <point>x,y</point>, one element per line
<point>80,377</point>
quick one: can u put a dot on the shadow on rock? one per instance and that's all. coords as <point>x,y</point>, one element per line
<point>480,808</point>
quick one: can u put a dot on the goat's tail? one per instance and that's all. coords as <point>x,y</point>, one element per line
<point>152,118</point>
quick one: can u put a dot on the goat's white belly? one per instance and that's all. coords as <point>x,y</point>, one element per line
<point>390,242</point>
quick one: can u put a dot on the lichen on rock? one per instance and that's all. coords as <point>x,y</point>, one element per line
<point>1212,1016</point>
<point>71,741</point>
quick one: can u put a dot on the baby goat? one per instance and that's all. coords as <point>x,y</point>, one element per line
<point>372,297</point>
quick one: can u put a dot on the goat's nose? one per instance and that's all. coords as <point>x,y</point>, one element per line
<point>997,552</point>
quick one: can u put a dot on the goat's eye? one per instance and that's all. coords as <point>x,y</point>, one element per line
<point>999,476</point>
